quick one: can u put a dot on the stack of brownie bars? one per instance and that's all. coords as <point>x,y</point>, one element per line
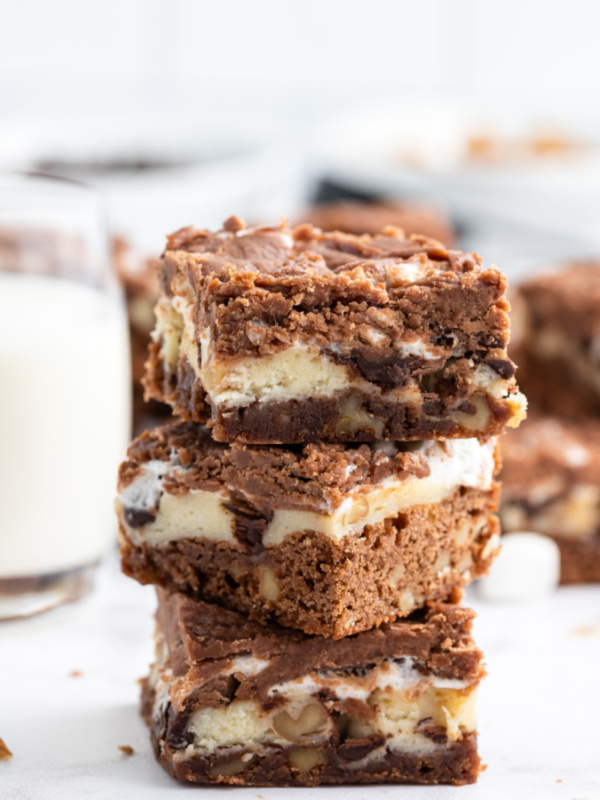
<point>312,517</point>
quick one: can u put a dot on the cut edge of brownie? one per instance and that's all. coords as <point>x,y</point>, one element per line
<point>203,644</point>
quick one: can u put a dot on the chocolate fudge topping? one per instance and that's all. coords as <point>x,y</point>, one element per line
<point>202,635</point>
<point>309,477</point>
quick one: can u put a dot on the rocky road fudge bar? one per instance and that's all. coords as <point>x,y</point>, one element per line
<point>358,217</point>
<point>277,335</point>
<point>332,539</point>
<point>551,485</point>
<point>229,701</point>
<point>558,347</point>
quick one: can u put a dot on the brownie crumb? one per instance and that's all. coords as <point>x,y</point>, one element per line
<point>584,630</point>
<point>76,673</point>
<point>126,749</point>
<point>5,754</point>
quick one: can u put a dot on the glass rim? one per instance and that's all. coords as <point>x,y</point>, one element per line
<point>44,178</point>
<point>45,205</point>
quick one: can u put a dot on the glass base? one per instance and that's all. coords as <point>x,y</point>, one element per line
<point>24,597</point>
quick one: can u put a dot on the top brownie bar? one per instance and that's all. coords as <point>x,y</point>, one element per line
<point>278,335</point>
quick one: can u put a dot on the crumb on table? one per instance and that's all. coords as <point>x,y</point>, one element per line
<point>5,753</point>
<point>584,630</point>
<point>126,749</point>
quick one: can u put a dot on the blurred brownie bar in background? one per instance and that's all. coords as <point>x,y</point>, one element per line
<point>358,217</point>
<point>229,701</point>
<point>278,335</point>
<point>332,539</point>
<point>557,342</point>
<point>139,276</point>
<point>44,251</point>
<point>551,485</point>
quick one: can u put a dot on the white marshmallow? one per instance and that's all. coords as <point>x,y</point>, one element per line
<point>527,568</point>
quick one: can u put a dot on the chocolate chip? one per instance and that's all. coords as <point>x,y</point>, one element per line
<point>436,733</point>
<point>503,366</point>
<point>433,407</point>
<point>355,749</point>
<point>249,526</point>
<point>175,729</point>
<point>386,368</point>
<point>138,517</point>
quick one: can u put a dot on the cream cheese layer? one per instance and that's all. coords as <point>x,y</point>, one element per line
<point>397,696</point>
<point>203,514</point>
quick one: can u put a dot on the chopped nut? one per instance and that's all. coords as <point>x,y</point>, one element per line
<point>373,336</point>
<point>312,719</point>
<point>359,510</point>
<point>5,753</point>
<point>382,316</point>
<point>452,709</point>
<point>406,601</point>
<point>465,563</point>
<point>228,768</point>
<point>490,546</point>
<point>518,407</point>
<point>268,585</point>
<point>396,575</point>
<point>308,758</point>
<point>478,421</point>
<point>463,533</point>
<point>353,417</point>
<point>441,562</point>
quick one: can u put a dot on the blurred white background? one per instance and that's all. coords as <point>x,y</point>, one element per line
<point>265,86</point>
<point>248,106</point>
<point>296,57</point>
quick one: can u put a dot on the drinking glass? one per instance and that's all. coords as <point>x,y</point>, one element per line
<point>64,392</point>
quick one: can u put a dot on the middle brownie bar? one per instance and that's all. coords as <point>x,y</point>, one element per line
<point>331,539</point>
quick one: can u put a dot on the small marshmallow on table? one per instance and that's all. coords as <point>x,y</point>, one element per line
<point>527,568</point>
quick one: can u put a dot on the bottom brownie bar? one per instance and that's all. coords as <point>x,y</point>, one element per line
<point>229,701</point>
<point>552,486</point>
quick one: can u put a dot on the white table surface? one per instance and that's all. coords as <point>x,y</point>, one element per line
<point>539,707</point>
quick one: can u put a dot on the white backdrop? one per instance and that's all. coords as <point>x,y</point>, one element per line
<point>295,55</point>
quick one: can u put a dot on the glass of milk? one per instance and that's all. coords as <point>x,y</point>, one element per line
<point>64,392</point>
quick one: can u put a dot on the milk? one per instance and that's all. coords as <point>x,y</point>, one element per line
<point>64,422</point>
